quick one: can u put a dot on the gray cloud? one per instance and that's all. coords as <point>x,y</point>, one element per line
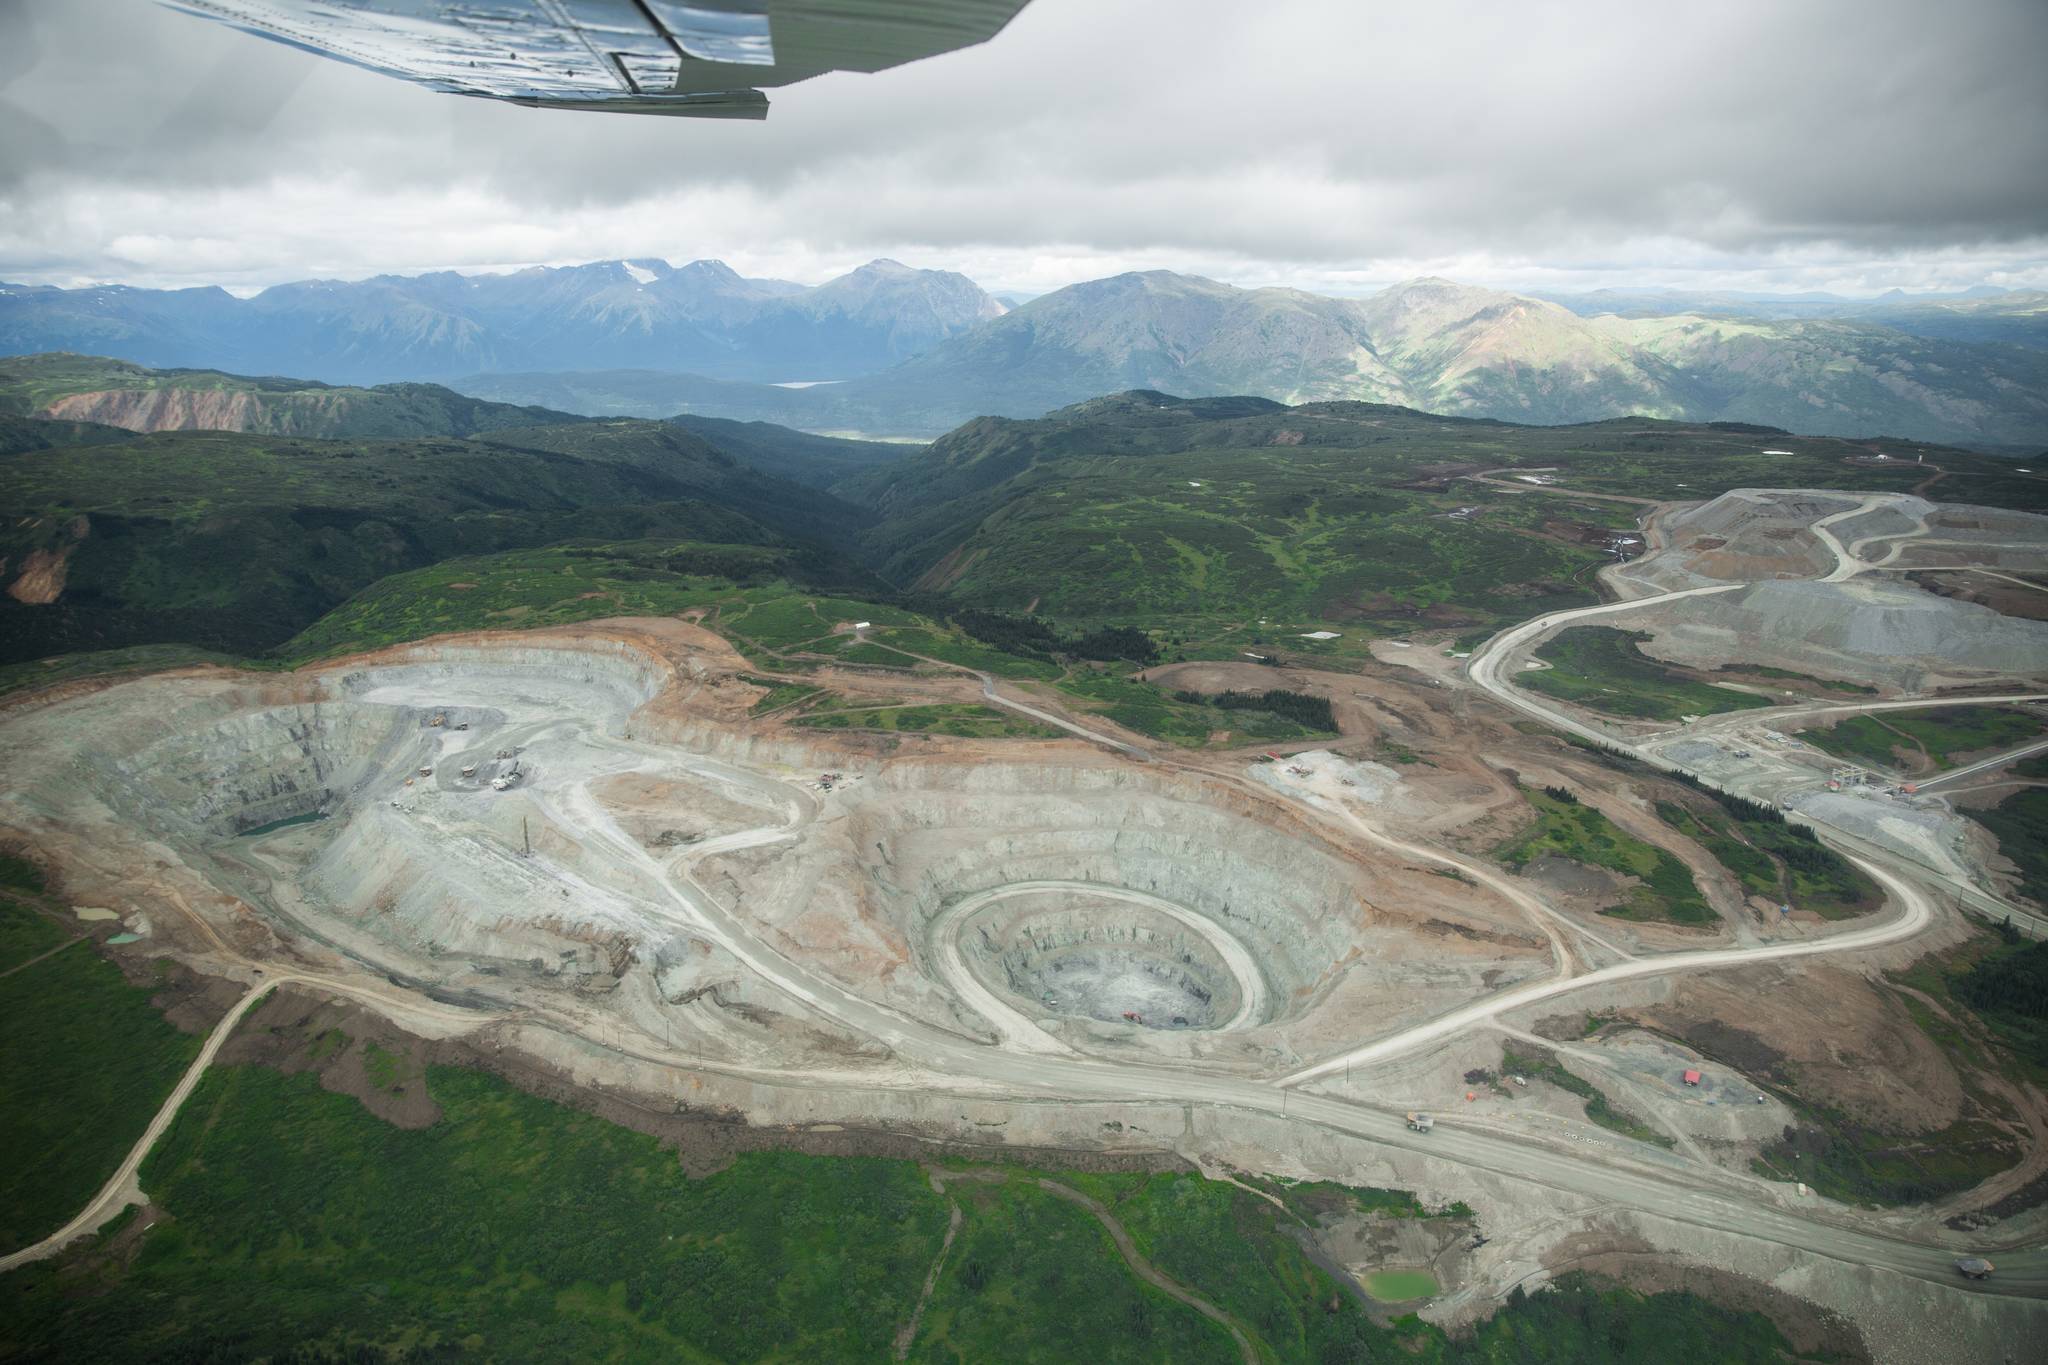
<point>1826,143</point>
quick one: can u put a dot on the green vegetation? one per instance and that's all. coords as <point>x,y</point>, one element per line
<point>26,934</point>
<point>19,874</point>
<point>1542,1065</point>
<point>1034,1277</point>
<point>233,542</point>
<point>1787,675</point>
<point>301,1225</point>
<point>1844,1160</point>
<point>1310,713</point>
<point>932,641</point>
<point>1783,862</point>
<point>970,721</point>
<point>1191,719</point>
<point>2020,824</point>
<point>552,586</point>
<point>2008,988</point>
<point>1665,889</point>
<point>1605,669</point>
<point>1293,534</point>
<point>1929,740</point>
<point>1312,1199</point>
<point>783,622</point>
<point>780,694</point>
<point>512,1227</point>
<point>1203,528</point>
<point>85,1062</point>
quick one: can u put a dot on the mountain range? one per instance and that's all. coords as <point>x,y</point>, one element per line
<point>703,317</point>
<point>896,352</point>
<point>1429,344</point>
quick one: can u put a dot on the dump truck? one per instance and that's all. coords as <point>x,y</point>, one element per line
<point>1421,1123</point>
<point>1974,1267</point>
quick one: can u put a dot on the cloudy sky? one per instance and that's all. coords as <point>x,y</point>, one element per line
<point>1853,145</point>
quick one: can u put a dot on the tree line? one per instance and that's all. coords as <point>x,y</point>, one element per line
<point>1311,712</point>
<point>1032,635</point>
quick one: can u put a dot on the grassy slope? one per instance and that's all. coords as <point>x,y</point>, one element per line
<point>235,542</point>
<point>1149,710</point>
<point>516,1228</point>
<point>1931,740</point>
<point>1095,519</point>
<point>551,586</point>
<point>799,456</point>
<point>694,468</point>
<point>970,721</point>
<point>1603,669</point>
<point>1776,861</point>
<point>84,1063</point>
<point>1665,890</point>
<point>1318,514</point>
<point>1034,1278</point>
<point>513,1226</point>
<point>2020,824</point>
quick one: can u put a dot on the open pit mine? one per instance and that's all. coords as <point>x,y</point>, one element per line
<point>583,828</point>
<point>579,848</point>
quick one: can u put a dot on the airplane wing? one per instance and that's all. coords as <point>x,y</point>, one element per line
<point>704,58</point>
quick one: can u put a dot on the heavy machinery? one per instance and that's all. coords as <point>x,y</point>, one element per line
<point>1421,1123</point>
<point>1974,1267</point>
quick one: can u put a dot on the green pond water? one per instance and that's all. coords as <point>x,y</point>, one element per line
<point>275,825</point>
<point>1398,1286</point>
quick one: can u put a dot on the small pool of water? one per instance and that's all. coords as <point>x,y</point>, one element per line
<point>125,938</point>
<point>275,825</point>
<point>1399,1286</point>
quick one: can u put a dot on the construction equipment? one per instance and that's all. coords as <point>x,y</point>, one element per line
<point>1133,1017</point>
<point>440,719</point>
<point>1974,1267</point>
<point>1421,1123</point>
<point>469,770</point>
<point>426,772</point>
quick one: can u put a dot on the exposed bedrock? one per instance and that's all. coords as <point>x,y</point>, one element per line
<point>225,775</point>
<point>1092,956</point>
<point>932,835</point>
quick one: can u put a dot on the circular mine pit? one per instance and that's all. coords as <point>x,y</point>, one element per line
<point>1109,954</point>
